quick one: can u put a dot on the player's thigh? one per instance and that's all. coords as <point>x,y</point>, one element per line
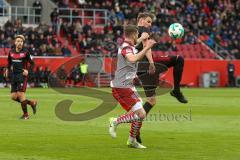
<point>14,88</point>
<point>21,96</point>
<point>149,80</point>
<point>127,97</point>
<point>168,61</point>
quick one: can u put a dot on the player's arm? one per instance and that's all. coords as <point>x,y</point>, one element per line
<point>133,58</point>
<point>152,68</point>
<point>144,36</point>
<point>30,60</point>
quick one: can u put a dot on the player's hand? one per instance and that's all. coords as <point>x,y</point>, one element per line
<point>25,72</point>
<point>144,36</point>
<point>149,43</point>
<point>151,68</point>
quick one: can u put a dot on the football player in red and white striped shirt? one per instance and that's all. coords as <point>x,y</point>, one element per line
<point>123,89</point>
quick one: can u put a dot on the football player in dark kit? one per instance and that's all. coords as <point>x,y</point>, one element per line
<point>150,79</point>
<point>18,59</point>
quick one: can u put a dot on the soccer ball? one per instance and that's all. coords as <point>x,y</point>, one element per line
<point>176,30</point>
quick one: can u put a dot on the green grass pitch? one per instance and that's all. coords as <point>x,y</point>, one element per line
<point>209,129</point>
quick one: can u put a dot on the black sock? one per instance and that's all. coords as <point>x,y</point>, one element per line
<point>29,102</point>
<point>17,100</point>
<point>147,107</point>
<point>177,73</point>
<point>24,107</point>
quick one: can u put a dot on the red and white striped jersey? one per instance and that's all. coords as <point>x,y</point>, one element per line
<point>126,71</point>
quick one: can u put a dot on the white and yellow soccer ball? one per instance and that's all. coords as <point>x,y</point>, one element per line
<point>176,30</point>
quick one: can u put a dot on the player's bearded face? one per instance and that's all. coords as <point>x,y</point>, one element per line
<point>147,22</point>
<point>19,43</point>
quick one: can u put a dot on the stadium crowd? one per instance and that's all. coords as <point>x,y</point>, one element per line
<point>215,22</point>
<point>41,41</point>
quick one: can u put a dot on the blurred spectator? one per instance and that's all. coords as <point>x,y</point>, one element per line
<point>78,26</point>
<point>34,51</point>
<point>3,41</point>
<point>83,44</point>
<point>84,71</point>
<point>65,51</point>
<point>191,38</point>
<point>173,46</point>
<point>38,10</point>
<point>57,50</point>
<point>5,78</point>
<point>1,77</point>
<point>61,73</point>
<point>54,19</point>
<point>231,70</point>
<point>42,40</point>
<point>40,77</point>
<point>87,27</point>
<point>47,73</point>
<point>75,74</point>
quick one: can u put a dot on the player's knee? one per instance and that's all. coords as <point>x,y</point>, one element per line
<point>152,100</point>
<point>14,97</point>
<point>142,115</point>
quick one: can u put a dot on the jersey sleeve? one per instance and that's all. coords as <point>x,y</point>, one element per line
<point>126,50</point>
<point>9,61</point>
<point>30,60</point>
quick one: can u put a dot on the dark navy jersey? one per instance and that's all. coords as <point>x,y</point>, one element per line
<point>139,47</point>
<point>17,61</point>
<point>141,29</point>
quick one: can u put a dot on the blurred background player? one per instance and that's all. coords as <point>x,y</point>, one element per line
<point>123,89</point>
<point>150,79</point>
<point>18,59</point>
<point>231,77</point>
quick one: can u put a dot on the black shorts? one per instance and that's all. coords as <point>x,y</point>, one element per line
<point>150,82</point>
<point>18,83</point>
